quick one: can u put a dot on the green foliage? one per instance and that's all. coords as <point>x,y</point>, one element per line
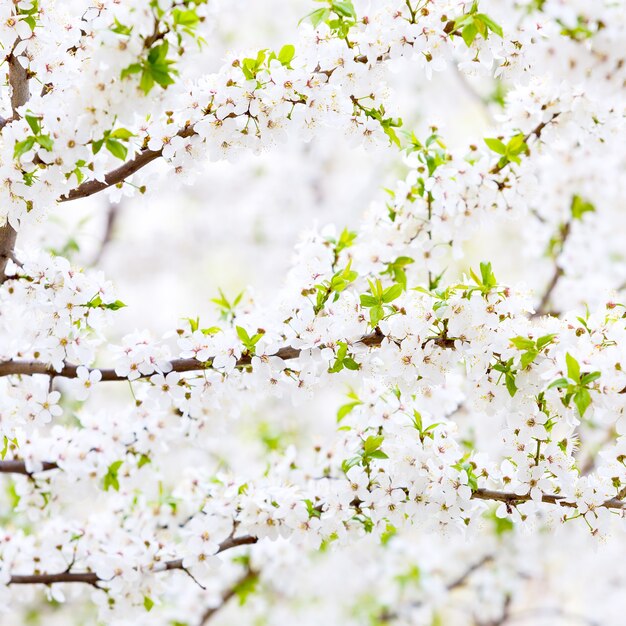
<point>468,467</point>
<point>29,12</point>
<point>246,587</point>
<point>339,16</point>
<point>510,151</point>
<point>249,342</point>
<point>347,408</point>
<point>343,359</point>
<point>418,424</point>
<point>579,32</point>
<point>577,385</point>
<point>509,371</point>
<point>156,68</point>
<point>501,525</point>
<point>432,152</point>
<point>371,449</point>
<point>111,480</point>
<point>148,603</point>
<point>486,281</point>
<point>531,349</point>
<point>113,141</point>
<point>471,24</point>
<point>338,283</point>
<point>580,206</point>
<point>37,138</point>
<point>8,444</point>
<point>97,303</point>
<point>227,309</point>
<point>379,299</point>
<point>396,270</point>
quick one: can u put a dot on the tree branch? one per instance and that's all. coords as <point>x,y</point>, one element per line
<point>249,575</point>
<point>19,467</point>
<point>513,499</point>
<point>542,309</point>
<point>29,368</point>
<point>287,353</point>
<point>18,80</point>
<point>120,174</point>
<point>91,578</point>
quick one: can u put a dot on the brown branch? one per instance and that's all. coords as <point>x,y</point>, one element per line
<point>389,616</point>
<point>69,370</point>
<point>513,499</point>
<point>8,237</point>
<point>29,368</point>
<point>462,579</point>
<point>542,309</point>
<point>113,211</point>
<point>120,174</point>
<point>91,578</point>
<point>249,575</point>
<point>19,467</point>
<point>18,80</point>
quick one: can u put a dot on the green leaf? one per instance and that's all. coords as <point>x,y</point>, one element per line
<point>391,293</point>
<point>509,380</point>
<point>528,358</point>
<point>111,477</point>
<point>133,68</point>
<point>573,368</point>
<point>582,400</point>
<point>372,443</point>
<point>546,340</point>
<point>186,18</point>
<point>116,148</point>
<point>286,54</point>
<point>491,25</point>
<point>580,206</point>
<point>346,409</point>
<point>376,314</point>
<point>496,145</point>
<point>589,378</point>
<point>34,123</point>
<point>523,343</point>
<point>469,33</point>
<point>369,301</point>
<point>122,133</point>
<point>22,147</point>
<point>559,383</point>
<point>45,141</point>
<point>148,603</point>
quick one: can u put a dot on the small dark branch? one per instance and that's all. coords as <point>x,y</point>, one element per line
<point>543,308</point>
<point>91,578</point>
<point>69,370</point>
<point>462,579</point>
<point>111,219</point>
<point>249,575</point>
<point>119,175</point>
<point>19,467</point>
<point>513,499</point>
<point>530,615</point>
<point>18,80</point>
<point>389,616</point>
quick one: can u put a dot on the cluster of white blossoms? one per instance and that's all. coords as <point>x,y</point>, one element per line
<point>151,480</point>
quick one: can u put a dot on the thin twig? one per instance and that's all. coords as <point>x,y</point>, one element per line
<point>249,575</point>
